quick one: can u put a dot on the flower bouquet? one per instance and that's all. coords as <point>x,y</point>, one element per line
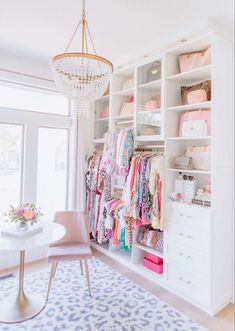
<point>23,215</point>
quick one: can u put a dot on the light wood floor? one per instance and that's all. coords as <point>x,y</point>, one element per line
<point>223,321</point>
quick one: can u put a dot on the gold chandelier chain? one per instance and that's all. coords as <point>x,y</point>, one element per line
<point>73,35</point>
<point>86,34</point>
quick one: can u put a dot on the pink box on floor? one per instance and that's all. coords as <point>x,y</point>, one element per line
<point>153,258</point>
<point>158,268</point>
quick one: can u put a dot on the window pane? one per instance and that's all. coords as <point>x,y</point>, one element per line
<point>52,171</point>
<point>32,99</point>
<point>11,142</point>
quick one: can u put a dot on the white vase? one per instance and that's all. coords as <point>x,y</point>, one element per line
<point>22,226</point>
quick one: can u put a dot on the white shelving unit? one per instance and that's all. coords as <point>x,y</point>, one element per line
<point>197,240</point>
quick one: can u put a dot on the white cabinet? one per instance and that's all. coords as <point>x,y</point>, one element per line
<point>198,240</point>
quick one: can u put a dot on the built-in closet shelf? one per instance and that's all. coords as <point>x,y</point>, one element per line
<point>188,204</point>
<point>102,119</point>
<point>192,76</point>
<point>149,273</point>
<point>194,171</point>
<point>98,141</point>
<point>202,105</point>
<point>149,250</point>
<point>103,98</point>
<point>156,84</point>
<point>199,224</point>
<point>188,138</point>
<point>141,111</point>
<point>149,138</point>
<point>102,247</point>
<point>128,92</point>
<point>123,117</point>
<point>126,255</point>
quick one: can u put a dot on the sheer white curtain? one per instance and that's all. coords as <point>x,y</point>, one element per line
<point>83,140</point>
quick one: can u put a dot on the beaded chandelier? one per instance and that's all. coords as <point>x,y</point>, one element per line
<point>83,76</point>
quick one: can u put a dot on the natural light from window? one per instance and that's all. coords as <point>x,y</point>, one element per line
<point>32,99</point>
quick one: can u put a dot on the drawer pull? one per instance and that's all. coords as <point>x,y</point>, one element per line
<point>188,216</point>
<point>181,234</point>
<point>181,278</point>
<point>181,214</point>
<point>188,282</point>
<point>189,258</point>
<point>189,237</point>
<point>181,254</point>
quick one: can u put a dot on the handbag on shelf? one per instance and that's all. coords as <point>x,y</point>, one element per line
<point>129,83</point>
<point>193,60</point>
<point>147,131</point>
<point>201,156</point>
<point>160,242</point>
<point>104,112</point>
<point>127,108</point>
<point>147,236</point>
<point>154,72</point>
<point>200,92</point>
<point>153,103</point>
<point>195,123</point>
<point>184,162</point>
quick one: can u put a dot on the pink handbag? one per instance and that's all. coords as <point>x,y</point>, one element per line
<point>104,112</point>
<point>196,118</point>
<point>193,60</point>
<point>153,103</point>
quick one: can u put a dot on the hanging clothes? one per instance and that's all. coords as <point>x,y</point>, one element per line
<point>143,195</point>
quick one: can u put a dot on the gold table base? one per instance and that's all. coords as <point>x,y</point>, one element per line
<point>19,307</point>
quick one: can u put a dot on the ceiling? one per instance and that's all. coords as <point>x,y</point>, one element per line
<point>121,29</point>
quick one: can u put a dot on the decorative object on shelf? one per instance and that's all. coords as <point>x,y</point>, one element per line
<point>127,108</point>
<point>201,202</point>
<point>195,123</point>
<point>185,188</point>
<point>24,215</point>
<point>203,195</point>
<point>82,75</point>
<point>153,103</point>
<point>194,60</point>
<point>201,156</point>
<point>149,119</point>
<point>190,187</point>
<point>128,84</point>
<point>197,93</point>
<point>154,72</point>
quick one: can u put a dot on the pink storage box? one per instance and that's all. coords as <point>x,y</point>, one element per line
<point>153,258</point>
<point>158,268</point>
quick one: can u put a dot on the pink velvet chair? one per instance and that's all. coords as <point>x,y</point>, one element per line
<point>74,246</point>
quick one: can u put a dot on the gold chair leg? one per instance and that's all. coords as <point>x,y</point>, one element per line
<point>52,275</point>
<point>87,277</point>
<point>81,266</point>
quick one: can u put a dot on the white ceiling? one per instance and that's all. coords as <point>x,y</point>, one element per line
<point>121,29</point>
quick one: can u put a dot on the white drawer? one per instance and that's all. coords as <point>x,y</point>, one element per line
<point>188,236</point>
<point>189,215</point>
<point>187,256</point>
<point>192,285</point>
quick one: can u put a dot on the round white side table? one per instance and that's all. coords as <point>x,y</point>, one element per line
<point>19,307</point>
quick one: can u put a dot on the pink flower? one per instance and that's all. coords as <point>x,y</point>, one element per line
<point>19,212</point>
<point>28,214</point>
